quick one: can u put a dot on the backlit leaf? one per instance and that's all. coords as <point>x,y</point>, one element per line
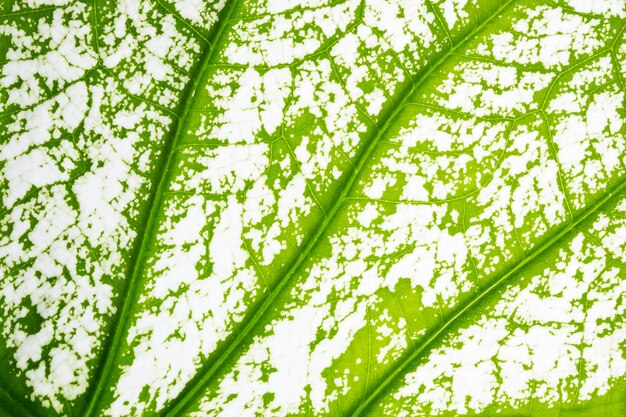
<point>280,208</point>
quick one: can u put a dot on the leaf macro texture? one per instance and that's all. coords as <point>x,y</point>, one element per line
<point>312,208</point>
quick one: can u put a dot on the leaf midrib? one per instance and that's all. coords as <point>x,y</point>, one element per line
<point>179,404</point>
<point>119,325</point>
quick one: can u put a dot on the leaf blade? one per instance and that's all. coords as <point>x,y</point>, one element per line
<point>280,141</point>
<point>154,206</point>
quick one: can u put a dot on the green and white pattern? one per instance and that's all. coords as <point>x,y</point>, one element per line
<point>304,208</point>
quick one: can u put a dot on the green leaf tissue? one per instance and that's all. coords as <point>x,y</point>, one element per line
<point>315,208</point>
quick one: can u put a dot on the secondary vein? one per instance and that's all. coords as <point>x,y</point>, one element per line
<point>120,325</point>
<point>481,295</point>
<point>180,404</point>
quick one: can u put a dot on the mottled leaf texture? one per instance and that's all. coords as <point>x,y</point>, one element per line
<point>303,208</point>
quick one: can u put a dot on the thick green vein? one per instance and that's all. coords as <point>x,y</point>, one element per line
<point>110,350</point>
<point>481,295</point>
<point>419,350</point>
<point>178,405</point>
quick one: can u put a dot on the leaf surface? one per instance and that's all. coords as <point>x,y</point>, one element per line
<point>302,208</point>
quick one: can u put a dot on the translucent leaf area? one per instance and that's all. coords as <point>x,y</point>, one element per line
<point>381,208</point>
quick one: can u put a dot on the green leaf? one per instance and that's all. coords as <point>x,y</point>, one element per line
<point>346,208</point>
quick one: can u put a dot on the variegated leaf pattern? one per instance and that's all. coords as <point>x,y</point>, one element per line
<point>341,208</point>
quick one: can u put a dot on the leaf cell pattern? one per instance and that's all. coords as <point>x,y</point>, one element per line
<point>233,208</point>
